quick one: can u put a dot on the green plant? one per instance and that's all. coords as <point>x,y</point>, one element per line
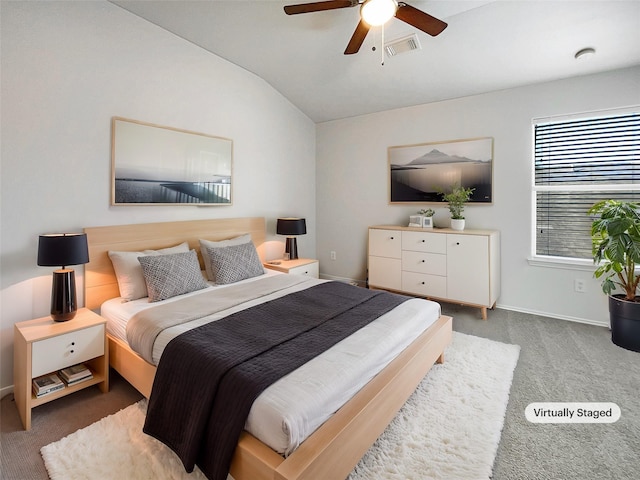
<point>615,238</point>
<point>456,199</point>
<point>427,212</point>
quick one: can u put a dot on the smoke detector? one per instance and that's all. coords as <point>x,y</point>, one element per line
<point>402,45</point>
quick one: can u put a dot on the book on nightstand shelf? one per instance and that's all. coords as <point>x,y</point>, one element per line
<point>75,374</point>
<point>46,384</point>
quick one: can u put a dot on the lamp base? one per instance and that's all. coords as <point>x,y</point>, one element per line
<point>63,295</point>
<point>291,247</point>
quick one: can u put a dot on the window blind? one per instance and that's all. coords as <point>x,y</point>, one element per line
<point>579,162</point>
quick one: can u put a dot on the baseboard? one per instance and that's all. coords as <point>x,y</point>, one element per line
<point>4,391</point>
<point>553,315</point>
<point>568,318</point>
<point>359,283</point>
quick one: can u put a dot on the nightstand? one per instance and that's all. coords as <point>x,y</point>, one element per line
<point>299,266</point>
<point>42,346</point>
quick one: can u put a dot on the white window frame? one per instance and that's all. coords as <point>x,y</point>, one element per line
<point>557,261</point>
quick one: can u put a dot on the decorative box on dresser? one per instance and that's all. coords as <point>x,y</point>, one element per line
<point>441,264</point>
<point>299,266</point>
<point>42,346</point>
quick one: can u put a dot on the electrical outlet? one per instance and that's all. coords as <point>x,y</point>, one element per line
<point>579,285</point>
<point>333,255</point>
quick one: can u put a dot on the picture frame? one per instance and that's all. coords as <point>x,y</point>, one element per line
<point>420,221</point>
<point>158,165</point>
<point>422,173</point>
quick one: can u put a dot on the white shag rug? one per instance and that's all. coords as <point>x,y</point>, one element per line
<point>449,428</point>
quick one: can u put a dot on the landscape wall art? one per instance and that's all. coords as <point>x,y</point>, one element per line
<point>155,165</point>
<point>423,173</point>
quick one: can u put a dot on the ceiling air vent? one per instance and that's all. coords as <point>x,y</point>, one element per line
<point>402,45</point>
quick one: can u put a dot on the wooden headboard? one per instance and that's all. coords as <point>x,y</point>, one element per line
<point>100,282</point>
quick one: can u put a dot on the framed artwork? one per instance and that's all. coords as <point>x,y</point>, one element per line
<point>156,165</point>
<point>422,173</point>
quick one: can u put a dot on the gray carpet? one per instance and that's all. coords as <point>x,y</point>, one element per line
<point>563,361</point>
<point>559,362</point>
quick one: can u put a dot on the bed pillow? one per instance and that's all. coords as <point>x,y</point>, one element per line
<point>234,263</point>
<point>129,273</point>
<point>173,274</point>
<point>204,244</point>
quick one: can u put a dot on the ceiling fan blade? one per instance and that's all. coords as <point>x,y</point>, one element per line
<point>357,38</point>
<point>319,6</point>
<point>419,19</point>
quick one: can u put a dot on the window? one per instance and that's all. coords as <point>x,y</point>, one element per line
<point>578,162</point>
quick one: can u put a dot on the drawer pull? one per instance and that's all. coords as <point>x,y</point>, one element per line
<point>391,238</point>
<point>423,241</point>
<point>422,261</point>
<point>422,283</point>
<point>71,351</point>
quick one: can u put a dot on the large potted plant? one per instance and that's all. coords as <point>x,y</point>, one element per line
<point>456,199</point>
<point>615,237</point>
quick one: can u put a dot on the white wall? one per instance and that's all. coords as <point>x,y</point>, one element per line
<point>67,69</point>
<point>352,190</point>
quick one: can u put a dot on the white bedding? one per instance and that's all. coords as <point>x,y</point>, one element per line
<point>287,412</point>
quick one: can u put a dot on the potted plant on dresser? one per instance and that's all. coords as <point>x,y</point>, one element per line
<point>615,237</point>
<point>456,199</point>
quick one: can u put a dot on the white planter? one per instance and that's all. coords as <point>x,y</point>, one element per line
<point>457,224</point>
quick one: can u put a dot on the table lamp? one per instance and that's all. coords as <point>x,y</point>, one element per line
<point>61,250</point>
<point>291,227</point>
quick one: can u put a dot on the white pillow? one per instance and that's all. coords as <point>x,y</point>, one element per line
<point>129,272</point>
<point>204,244</point>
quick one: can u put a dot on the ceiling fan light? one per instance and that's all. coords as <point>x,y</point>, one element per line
<point>378,12</point>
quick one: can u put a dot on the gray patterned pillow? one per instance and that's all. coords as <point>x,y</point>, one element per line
<point>234,263</point>
<point>204,244</point>
<point>129,274</point>
<point>169,275</point>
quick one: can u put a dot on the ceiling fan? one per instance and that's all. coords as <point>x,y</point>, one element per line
<point>373,13</point>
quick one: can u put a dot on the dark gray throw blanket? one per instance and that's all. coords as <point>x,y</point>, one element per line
<point>209,377</point>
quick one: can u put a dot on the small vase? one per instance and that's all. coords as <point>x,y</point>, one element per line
<point>457,224</point>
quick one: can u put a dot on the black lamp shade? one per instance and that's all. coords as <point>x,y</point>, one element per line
<point>291,227</point>
<point>60,250</point>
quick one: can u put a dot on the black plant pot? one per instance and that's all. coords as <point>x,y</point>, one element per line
<point>625,322</point>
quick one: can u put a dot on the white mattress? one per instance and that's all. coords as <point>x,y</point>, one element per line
<point>291,409</point>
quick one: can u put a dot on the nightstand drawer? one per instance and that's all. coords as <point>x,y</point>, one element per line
<point>58,352</point>
<point>310,270</point>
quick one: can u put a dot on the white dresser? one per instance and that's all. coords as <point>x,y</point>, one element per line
<point>441,264</point>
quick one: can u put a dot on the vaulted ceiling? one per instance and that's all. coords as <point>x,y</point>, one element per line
<point>488,45</point>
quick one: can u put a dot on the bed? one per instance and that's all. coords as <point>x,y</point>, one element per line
<point>333,449</point>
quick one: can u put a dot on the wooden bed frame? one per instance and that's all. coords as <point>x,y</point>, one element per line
<point>332,450</point>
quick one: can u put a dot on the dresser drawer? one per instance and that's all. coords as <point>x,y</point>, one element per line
<point>385,273</point>
<point>419,262</point>
<point>425,285</point>
<point>424,242</point>
<point>310,270</point>
<point>385,243</point>
<point>58,352</point>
